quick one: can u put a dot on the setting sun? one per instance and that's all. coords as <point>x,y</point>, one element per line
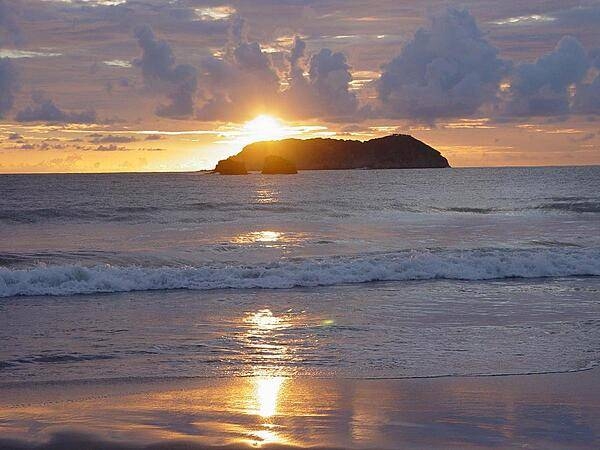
<point>264,128</point>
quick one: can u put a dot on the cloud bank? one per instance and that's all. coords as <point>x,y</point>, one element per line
<point>446,70</point>
<point>45,110</point>
<point>541,88</point>
<point>326,91</point>
<point>178,81</point>
<point>8,85</point>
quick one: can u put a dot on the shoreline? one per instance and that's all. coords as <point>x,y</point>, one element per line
<point>167,378</point>
<point>558,410</point>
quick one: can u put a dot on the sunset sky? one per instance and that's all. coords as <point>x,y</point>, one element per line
<point>157,85</point>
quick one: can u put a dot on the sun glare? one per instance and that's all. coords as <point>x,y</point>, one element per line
<point>264,128</point>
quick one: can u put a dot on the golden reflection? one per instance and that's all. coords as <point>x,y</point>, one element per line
<point>287,241</point>
<point>265,320</point>
<point>267,350</point>
<point>258,236</point>
<point>267,390</point>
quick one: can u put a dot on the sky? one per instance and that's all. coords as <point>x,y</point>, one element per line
<point>176,85</point>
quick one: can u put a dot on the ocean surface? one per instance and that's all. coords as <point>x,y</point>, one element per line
<point>385,274</point>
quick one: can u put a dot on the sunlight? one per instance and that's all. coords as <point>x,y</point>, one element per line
<point>264,128</point>
<point>258,236</point>
<point>265,320</point>
<point>267,395</point>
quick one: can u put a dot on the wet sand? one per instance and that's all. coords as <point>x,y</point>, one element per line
<point>533,411</point>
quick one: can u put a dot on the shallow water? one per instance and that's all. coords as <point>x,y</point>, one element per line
<point>394,273</point>
<point>410,329</point>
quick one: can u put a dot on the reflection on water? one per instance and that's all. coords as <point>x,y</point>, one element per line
<point>267,395</point>
<point>272,239</point>
<point>268,354</point>
<point>266,196</point>
<point>266,347</point>
<point>547,411</point>
<point>258,237</point>
<point>265,321</point>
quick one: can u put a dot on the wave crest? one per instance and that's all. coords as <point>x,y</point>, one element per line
<point>477,264</point>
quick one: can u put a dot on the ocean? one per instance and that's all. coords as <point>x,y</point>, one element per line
<point>347,274</point>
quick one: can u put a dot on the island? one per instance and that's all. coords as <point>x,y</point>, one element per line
<point>397,151</point>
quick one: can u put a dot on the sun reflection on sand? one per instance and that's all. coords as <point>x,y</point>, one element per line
<point>267,390</point>
<point>268,382</point>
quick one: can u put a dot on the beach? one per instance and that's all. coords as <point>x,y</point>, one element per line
<point>273,311</point>
<point>526,411</point>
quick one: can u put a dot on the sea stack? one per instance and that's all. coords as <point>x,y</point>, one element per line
<point>274,165</point>
<point>231,166</point>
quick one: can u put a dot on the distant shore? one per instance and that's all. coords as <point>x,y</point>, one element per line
<point>539,411</point>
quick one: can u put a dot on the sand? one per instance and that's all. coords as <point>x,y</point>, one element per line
<point>533,411</point>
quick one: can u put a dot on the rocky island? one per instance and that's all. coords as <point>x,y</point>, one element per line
<point>397,151</point>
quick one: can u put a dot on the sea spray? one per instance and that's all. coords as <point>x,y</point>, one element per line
<point>474,264</point>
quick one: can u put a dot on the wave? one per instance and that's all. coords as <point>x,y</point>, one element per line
<point>221,211</point>
<point>573,206</point>
<point>476,264</point>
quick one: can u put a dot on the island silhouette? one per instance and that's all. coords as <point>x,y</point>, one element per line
<point>397,151</point>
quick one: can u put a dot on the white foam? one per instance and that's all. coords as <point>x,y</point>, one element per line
<point>479,264</point>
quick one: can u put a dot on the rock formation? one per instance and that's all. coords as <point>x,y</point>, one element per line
<point>277,165</point>
<point>231,166</point>
<point>397,151</point>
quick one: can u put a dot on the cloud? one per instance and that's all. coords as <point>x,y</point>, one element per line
<point>446,70</point>
<point>179,82</point>
<point>8,20</point>
<point>541,88</point>
<point>8,85</point>
<point>242,84</point>
<point>98,138</point>
<point>45,110</point>
<point>587,97</point>
<point>326,91</point>
<point>296,55</point>
<point>578,15</point>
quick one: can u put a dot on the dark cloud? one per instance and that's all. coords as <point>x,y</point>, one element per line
<point>8,85</point>
<point>245,82</point>
<point>296,55</point>
<point>541,88</point>
<point>578,15</point>
<point>179,82</point>
<point>154,137</point>
<point>97,138</point>
<point>326,91</point>
<point>45,110</point>
<point>9,11</point>
<point>586,137</point>
<point>448,69</point>
<point>587,97</point>
<point>118,148</point>
<point>242,84</point>
<point>15,137</point>
<point>109,148</point>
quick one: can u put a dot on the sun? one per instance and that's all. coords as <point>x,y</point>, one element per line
<point>264,128</point>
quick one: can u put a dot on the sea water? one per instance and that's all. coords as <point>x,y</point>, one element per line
<point>362,273</point>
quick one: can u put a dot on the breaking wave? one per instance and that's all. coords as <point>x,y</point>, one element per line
<point>477,264</point>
